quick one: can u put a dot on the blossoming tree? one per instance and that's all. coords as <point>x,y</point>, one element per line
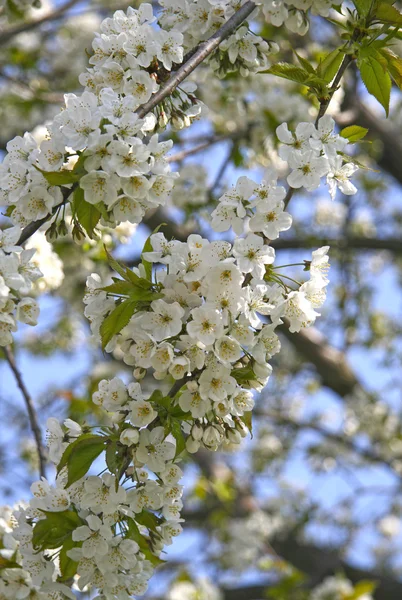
<point>189,328</point>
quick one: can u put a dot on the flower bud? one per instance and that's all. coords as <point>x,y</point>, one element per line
<point>197,432</point>
<point>192,445</point>
<point>139,373</point>
<point>129,437</point>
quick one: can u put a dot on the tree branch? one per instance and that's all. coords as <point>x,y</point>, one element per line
<point>33,419</point>
<point>8,34</point>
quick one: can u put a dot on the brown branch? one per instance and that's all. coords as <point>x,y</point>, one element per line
<point>8,34</point>
<point>33,419</point>
<point>330,363</point>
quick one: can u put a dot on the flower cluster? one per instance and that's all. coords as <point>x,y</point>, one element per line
<point>18,273</point>
<point>313,152</point>
<point>107,534</point>
<point>199,19</point>
<point>97,143</point>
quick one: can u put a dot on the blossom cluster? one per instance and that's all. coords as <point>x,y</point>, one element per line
<point>201,18</point>
<point>18,273</point>
<point>311,154</point>
<point>314,152</point>
<point>111,533</point>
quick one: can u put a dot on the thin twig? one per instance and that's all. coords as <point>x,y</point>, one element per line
<point>33,419</point>
<point>8,34</point>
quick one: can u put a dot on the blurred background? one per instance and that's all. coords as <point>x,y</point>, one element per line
<point>311,506</point>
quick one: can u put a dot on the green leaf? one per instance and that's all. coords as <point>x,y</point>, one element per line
<point>329,67</point>
<point>87,438</point>
<point>68,566</point>
<point>135,534</point>
<point>386,13</point>
<point>87,214</point>
<point>117,320</point>
<point>376,80</point>
<point>53,531</point>
<point>79,456</point>
<point>354,133</point>
<point>244,374</point>
<point>121,288</point>
<point>394,65</point>
<point>305,63</point>
<point>178,436</point>
<point>115,456</point>
<point>127,273</point>
<point>289,71</point>
<point>5,563</point>
<point>363,6</point>
<point>62,177</point>
<point>247,419</point>
<point>362,588</point>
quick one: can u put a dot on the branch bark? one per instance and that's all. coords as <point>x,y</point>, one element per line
<point>33,419</point>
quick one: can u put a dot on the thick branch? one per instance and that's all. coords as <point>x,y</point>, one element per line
<point>33,419</point>
<point>330,363</point>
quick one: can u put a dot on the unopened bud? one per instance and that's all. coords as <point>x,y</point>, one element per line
<point>197,432</point>
<point>139,373</point>
<point>192,445</point>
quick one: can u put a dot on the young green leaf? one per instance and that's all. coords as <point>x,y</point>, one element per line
<point>178,436</point>
<point>116,320</point>
<point>52,531</point>
<point>62,177</point>
<point>79,456</point>
<point>394,65</point>
<point>86,214</point>
<point>363,6</point>
<point>305,63</point>
<point>376,80</point>
<point>354,133</point>
<point>386,13</point>
<point>289,71</point>
<point>68,567</point>
<point>329,67</point>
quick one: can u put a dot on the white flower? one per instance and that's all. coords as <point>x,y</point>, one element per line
<point>141,413</point>
<point>37,203</point>
<point>8,239</point>
<point>55,440</point>
<point>165,320</point>
<point>153,450</point>
<point>297,309</point>
<point>323,138</point>
<point>338,176</point>
<point>99,186</point>
<point>216,383</point>
<point>299,140</point>
<point>228,350</point>
<point>95,536</point>
<point>28,311</point>
<point>270,219</point>
<point>307,170</point>
<point>206,325</point>
<point>191,401</point>
<point>319,265</point>
<point>170,48</point>
<point>129,159</point>
<point>252,255</point>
